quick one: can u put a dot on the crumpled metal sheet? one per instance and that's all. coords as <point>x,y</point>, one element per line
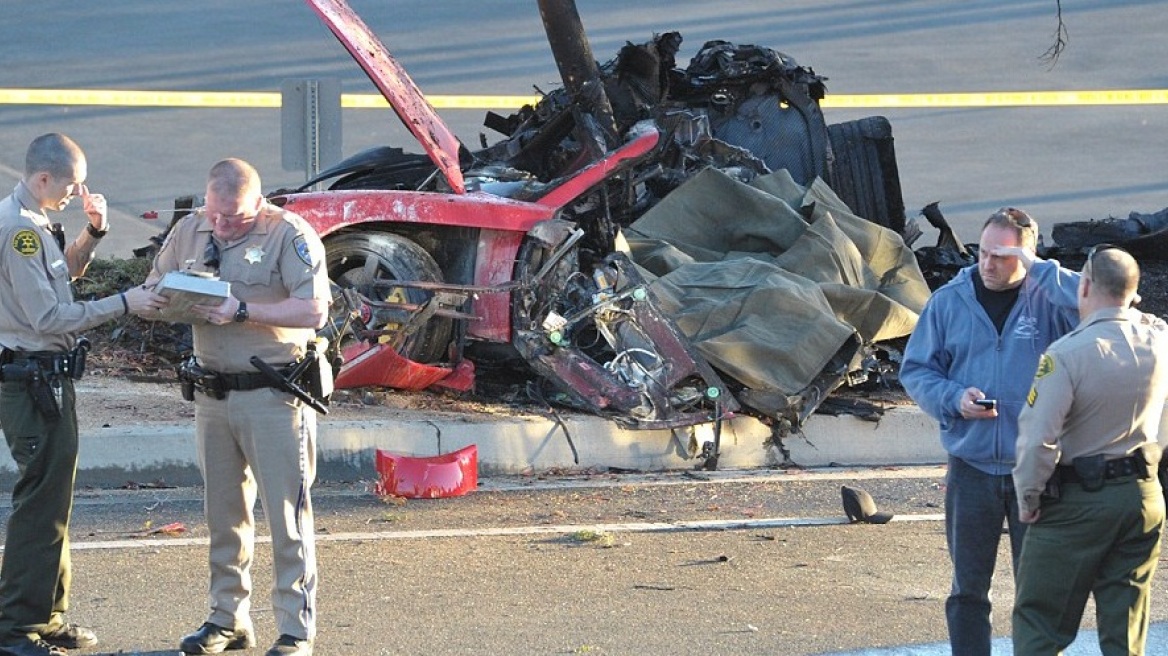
<point>777,284</point>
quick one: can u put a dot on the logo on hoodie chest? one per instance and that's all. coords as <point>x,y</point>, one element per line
<point>1027,327</point>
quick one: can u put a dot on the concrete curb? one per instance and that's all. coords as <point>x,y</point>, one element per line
<point>148,454</point>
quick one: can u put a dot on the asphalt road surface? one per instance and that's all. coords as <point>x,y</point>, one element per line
<point>712,563</point>
<point>1061,163</point>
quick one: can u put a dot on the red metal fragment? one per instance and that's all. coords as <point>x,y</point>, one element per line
<point>435,477</point>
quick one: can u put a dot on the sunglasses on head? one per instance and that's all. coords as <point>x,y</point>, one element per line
<point>1016,216</point>
<point>1099,248</point>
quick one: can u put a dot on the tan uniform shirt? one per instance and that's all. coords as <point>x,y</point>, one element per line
<point>1100,389</point>
<point>281,257</point>
<point>37,310</point>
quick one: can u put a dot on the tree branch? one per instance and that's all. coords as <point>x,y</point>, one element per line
<point>1061,38</point>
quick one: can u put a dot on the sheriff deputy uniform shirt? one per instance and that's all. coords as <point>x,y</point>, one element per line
<point>1100,389</point>
<point>37,310</point>
<point>281,257</point>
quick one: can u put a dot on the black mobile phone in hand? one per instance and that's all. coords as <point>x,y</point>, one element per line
<point>988,404</point>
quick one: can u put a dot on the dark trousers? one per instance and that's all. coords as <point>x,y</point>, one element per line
<point>1105,543</point>
<point>35,574</point>
<point>977,505</point>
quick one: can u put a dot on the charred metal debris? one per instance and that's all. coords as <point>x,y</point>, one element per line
<point>458,270</point>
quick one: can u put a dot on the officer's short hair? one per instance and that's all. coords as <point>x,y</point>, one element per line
<point>233,177</point>
<point>53,153</point>
<point>1019,221</point>
<point>1113,270</point>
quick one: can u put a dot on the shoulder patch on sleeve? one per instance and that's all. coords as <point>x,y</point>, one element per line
<point>1045,366</point>
<point>302,250</point>
<point>1032,397</point>
<point>26,242</point>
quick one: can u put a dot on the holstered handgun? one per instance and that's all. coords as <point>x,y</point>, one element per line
<point>318,377</point>
<point>40,388</point>
<point>192,377</point>
<point>1143,470</point>
<point>44,395</point>
<point>311,370</point>
<point>186,377</point>
<point>77,358</point>
<point>1054,487</point>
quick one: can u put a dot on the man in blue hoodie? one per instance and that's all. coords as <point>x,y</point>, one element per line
<point>969,364</point>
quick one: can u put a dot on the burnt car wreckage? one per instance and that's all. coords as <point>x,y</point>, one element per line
<point>1143,235</point>
<point>456,264</point>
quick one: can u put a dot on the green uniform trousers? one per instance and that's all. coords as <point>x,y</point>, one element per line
<point>1105,543</point>
<point>35,575</point>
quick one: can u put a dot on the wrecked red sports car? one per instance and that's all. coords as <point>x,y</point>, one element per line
<point>457,266</point>
<point>435,270</point>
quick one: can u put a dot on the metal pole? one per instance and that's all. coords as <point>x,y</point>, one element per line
<point>578,68</point>
<point>311,129</point>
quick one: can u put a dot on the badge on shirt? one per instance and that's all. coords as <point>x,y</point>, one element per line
<point>26,242</point>
<point>1045,366</point>
<point>1032,396</point>
<point>301,246</point>
<point>254,255</point>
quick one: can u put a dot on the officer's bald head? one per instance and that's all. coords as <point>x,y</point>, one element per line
<point>1114,273</point>
<point>233,178</point>
<point>234,199</point>
<point>52,153</point>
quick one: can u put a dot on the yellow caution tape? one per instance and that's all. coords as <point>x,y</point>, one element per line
<point>127,98</point>
<point>235,99</point>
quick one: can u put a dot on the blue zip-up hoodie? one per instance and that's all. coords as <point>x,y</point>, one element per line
<point>955,346</point>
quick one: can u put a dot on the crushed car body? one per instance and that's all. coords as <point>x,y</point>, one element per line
<point>568,248</point>
<point>1143,235</point>
<point>437,271</point>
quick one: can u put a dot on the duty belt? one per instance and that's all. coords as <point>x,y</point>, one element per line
<point>216,384</point>
<point>1091,471</point>
<point>1117,468</point>
<point>245,382</point>
<point>52,360</point>
<point>308,379</point>
<point>70,364</point>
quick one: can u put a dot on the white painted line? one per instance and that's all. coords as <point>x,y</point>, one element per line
<point>563,529</point>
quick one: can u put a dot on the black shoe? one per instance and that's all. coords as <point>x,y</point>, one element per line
<point>30,647</point>
<point>70,636</point>
<point>213,639</point>
<point>288,645</point>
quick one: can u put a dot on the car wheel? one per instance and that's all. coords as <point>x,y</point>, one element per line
<point>863,172</point>
<point>367,261</point>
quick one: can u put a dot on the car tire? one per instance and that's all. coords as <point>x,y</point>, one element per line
<point>862,170</point>
<point>359,260</point>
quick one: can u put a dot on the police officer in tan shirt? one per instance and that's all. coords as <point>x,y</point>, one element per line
<point>253,438</point>
<point>40,324</point>
<point>1086,469</point>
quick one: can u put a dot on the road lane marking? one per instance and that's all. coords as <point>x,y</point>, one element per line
<point>562,529</point>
